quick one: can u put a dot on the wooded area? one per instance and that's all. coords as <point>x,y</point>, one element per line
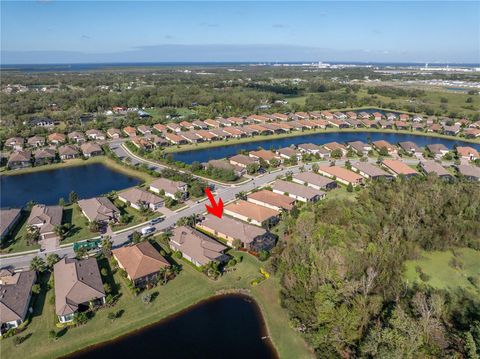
<point>342,272</point>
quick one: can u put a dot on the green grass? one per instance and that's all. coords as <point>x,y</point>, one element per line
<point>73,214</point>
<point>341,193</point>
<point>187,289</point>
<point>15,241</point>
<point>442,275</point>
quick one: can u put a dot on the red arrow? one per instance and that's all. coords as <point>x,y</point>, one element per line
<point>216,208</point>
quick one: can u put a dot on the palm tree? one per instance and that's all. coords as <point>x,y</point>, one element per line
<point>52,258</point>
<point>38,264</point>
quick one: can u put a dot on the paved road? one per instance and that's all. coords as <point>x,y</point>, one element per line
<point>227,193</point>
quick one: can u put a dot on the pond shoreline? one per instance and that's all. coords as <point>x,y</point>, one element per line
<point>233,293</point>
<point>259,138</point>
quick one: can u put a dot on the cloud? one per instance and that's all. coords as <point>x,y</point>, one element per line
<point>86,37</point>
<point>279,26</point>
<point>208,24</point>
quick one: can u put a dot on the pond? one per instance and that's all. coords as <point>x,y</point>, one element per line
<point>221,327</point>
<point>47,187</point>
<point>206,154</point>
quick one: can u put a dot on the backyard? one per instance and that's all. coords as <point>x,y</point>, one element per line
<point>188,288</point>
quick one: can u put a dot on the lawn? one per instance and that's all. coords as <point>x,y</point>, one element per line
<point>188,288</point>
<point>15,241</point>
<point>341,193</point>
<point>441,274</point>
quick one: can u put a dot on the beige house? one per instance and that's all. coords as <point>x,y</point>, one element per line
<point>169,187</point>
<point>252,213</point>
<point>90,149</point>
<point>272,200</point>
<point>137,198</point>
<point>16,292</point>
<point>141,262</point>
<point>297,191</point>
<point>342,175</point>
<point>45,219</point>
<point>8,219</point>
<point>197,247</point>
<point>78,286</point>
<point>99,209</point>
<point>314,181</point>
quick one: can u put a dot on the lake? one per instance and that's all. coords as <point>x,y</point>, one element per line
<point>206,154</point>
<point>221,327</point>
<point>47,187</point>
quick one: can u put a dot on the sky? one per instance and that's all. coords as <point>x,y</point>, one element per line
<point>50,31</point>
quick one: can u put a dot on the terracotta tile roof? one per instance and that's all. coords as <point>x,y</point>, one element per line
<point>274,199</point>
<point>140,260</point>
<point>399,167</point>
<point>251,210</point>
<point>233,228</point>
<point>341,173</point>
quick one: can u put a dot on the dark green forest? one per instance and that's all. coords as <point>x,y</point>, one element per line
<point>341,267</point>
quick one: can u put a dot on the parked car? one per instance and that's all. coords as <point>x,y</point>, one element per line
<point>147,230</point>
<point>156,220</point>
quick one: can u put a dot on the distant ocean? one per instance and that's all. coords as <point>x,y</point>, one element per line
<point>118,65</point>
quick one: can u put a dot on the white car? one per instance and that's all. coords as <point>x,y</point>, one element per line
<point>147,230</point>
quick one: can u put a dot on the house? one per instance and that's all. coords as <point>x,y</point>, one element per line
<point>280,116</point>
<point>429,167</point>
<point>212,123</point>
<point>404,117</point>
<point>272,200</point>
<point>143,114</point>
<point>259,129</point>
<point>353,122</point>
<point>95,134</point>
<point>15,143</point>
<point>36,141</point>
<point>187,125</point>
<point>472,132</point>
<point>44,156</point>
<point>335,146</point>
<point>78,286</point>
<point>360,147</point>
<point>200,125</point>
<point>90,149</point>
<point>267,156</point>
<point>273,127</point>
<point>379,145</point>
<point>138,198</point>
<point>377,116</point>
<point>467,153</point>
<point>16,292</point>
<point>435,127</point>
<point>309,148</point>
<point>342,175</point>
<point>418,126</point>
<point>224,122</point>
<point>234,132</point>
<point>370,171</point>
<point>67,152</point>
<point>220,133</point>
<point>297,191</point>
<point>386,124</point>
<point>160,128</point>
<point>225,165</point>
<point>391,116</point>
<point>45,219</point>
<point>451,130</point>
<point>352,115</point>
<point>252,237</point>
<point>141,262</point>
<point>57,138</point>
<point>205,135</point>
<point>197,247</point>
<point>327,115</point>
<point>314,181</point>
<point>76,137</point>
<point>175,139</point>
<point>19,159</point>
<point>99,209</point>
<point>417,118</point>
<point>8,219</point>
<point>190,136</point>
<point>364,115</point>
<point>469,172</point>
<point>438,150</point>
<point>130,131</point>
<point>144,130</point>
<point>169,187</point>
<point>241,160</point>
<point>114,133</point>
<point>156,141</point>
<point>42,122</point>
<point>410,147</point>
<point>401,125</point>
<point>258,118</point>
<point>236,120</point>
<point>340,116</point>
<point>289,152</point>
<point>285,127</point>
<point>175,127</point>
<point>252,213</point>
<point>142,143</point>
<point>399,168</point>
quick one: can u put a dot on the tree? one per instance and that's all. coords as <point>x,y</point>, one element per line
<point>32,235</point>
<point>315,167</point>
<point>73,197</point>
<point>146,298</point>
<point>81,252</point>
<point>52,258</point>
<point>350,187</point>
<point>106,244</point>
<point>336,153</point>
<point>237,244</point>
<point>94,226</point>
<point>36,288</point>
<point>112,316</point>
<point>61,202</point>
<point>252,168</point>
<point>38,265</point>
<point>136,237</point>
<point>80,318</point>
